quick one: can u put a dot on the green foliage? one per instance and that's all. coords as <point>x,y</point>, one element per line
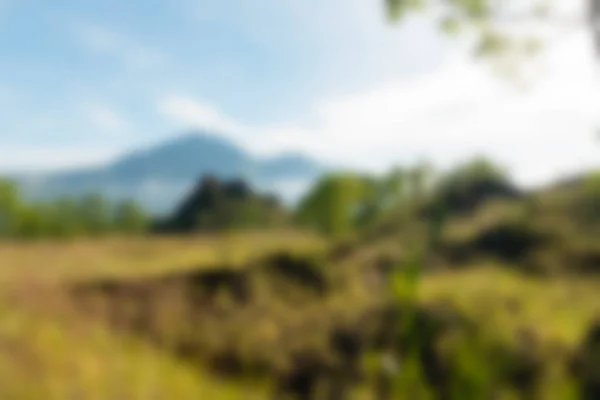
<point>96,214</point>
<point>9,207</point>
<point>345,203</point>
<point>214,205</point>
<point>66,221</point>
<point>338,203</point>
<point>32,222</point>
<point>66,217</point>
<point>471,184</point>
<point>490,23</point>
<point>451,25</point>
<point>492,42</point>
<point>399,8</point>
<point>131,218</point>
<point>478,168</point>
<point>585,204</point>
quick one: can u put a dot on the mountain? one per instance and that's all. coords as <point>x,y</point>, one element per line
<point>158,177</point>
<point>287,165</point>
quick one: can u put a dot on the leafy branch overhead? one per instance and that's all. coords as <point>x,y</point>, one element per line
<point>500,26</point>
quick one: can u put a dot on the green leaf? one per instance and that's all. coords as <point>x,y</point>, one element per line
<point>397,9</point>
<point>492,43</point>
<point>451,25</point>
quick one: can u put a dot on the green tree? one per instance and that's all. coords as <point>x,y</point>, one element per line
<point>10,204</point>
<point>496,25</point>
<point>382,196</point>
<point>130,217</point>
<point>419,179</point>
<point>337,203</point>
<point>95,213</point>
<point>394,186</point>
<point>67,218</point>
<point>32,222</point>
<point>215,205</point>
<point>470,184</point>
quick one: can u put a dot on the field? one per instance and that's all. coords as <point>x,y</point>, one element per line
<point>556,311</point>
<point>61,260</point>
<point>225,347</point>
<point>46,353</point>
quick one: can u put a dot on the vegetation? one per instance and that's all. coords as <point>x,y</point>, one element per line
<point>416,284</point>
<point>91,215</point>
<point>338,203</point>
<point>450,285</point>
<point>490,20</point>
<point>214,205</point>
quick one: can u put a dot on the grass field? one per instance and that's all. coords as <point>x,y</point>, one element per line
<point>48,352</point>
<point>133,257</point>
<point>556,310</point>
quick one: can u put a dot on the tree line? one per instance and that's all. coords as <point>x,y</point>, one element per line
<point>339,204</point>
<point>342,204</point>
<point>89,215</point>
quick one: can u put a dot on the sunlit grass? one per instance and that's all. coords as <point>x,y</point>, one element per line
<point>67,357</point>
<point>46,352</point>
<point>132,257</point>
<point>557,310</point>
<point>48,358</point>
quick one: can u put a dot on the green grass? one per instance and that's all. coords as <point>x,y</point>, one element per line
<point>45,358</point>
<point>47,351</point>
<point>557,310</point>
<point>59,261</point>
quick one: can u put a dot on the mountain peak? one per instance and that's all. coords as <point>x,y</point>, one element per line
<point>191,142</point>
<point>199,136</point>
<point>175,165</point>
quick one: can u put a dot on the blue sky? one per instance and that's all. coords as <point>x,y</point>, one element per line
<point>83,81</point>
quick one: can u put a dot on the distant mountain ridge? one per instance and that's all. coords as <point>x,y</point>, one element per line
<point>159,176</point>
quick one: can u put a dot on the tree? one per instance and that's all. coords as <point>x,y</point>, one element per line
<point>214,205</point>
<point>472,183</point>
<point>130,217</point>
<point>67,218</point>
<point>419,179</point>
<point>10,203</point>
<point>493,21</point>
<point>32,223</point>
<point>95,214</point>
<point>387,193</point>
<point>337,203</point>
<point>394,186</point>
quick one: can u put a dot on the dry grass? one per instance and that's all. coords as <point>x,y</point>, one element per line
<point>52,261</point>
<point>43,358</point>
<point>46,352</point>
<point>67,358</point>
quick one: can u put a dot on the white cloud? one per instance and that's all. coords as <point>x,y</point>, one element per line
<point>109,42</point>
<point>196,113</point>
<point>106,119</point>
<point>456,112</point>
<point>24,159</point>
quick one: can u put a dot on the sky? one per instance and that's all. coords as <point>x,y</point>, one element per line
<point>83,82</point>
